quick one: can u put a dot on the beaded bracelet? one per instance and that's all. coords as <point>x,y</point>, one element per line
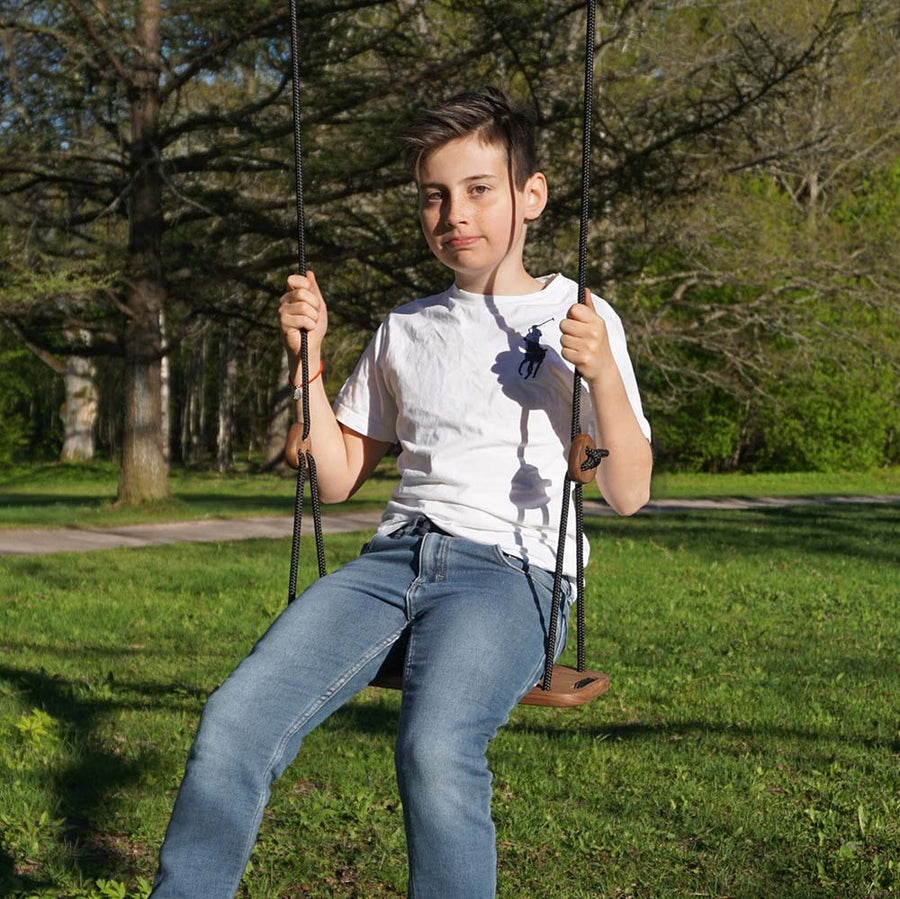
<point>298,389</point>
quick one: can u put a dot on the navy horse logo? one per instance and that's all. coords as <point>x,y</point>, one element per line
<point>534,352</point>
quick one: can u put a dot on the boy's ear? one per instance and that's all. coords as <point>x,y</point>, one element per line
<point>535,196</point>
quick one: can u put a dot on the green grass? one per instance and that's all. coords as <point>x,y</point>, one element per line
<point>748,748</point>
<point>677,485</point>
<point>59,495</point>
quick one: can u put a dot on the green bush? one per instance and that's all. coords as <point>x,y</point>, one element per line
<point>15,428</point>
<point>30,398</point>
<point>830,419</point>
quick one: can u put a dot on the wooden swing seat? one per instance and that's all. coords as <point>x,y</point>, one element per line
<point>568,687</point>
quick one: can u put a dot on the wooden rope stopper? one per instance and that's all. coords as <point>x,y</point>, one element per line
<point>584,457</point>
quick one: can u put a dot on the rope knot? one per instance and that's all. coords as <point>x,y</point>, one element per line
<point>593,458</point>
<point>583,458</point>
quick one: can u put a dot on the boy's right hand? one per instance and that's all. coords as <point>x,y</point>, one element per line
<point>303,309</point>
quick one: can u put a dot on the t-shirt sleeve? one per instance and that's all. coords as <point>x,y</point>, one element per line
<point>365,403</point>
<point>616,332</point>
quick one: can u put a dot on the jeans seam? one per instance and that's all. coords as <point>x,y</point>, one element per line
<point>408,598</point>
<point>306,715</point>
<point>443,553</point>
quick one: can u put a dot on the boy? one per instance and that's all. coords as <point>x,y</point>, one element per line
<point>474,384</point>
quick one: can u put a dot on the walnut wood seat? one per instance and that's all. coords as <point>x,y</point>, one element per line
<point>568,687</point>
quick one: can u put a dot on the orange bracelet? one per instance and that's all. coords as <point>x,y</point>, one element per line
<point>298,389</point>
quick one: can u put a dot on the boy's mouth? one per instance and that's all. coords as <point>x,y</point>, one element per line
<point>457,243</point>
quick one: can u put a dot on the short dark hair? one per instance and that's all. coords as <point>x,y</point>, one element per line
<point>487,114</point>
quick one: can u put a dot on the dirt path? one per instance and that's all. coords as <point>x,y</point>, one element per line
<point>77,539</point>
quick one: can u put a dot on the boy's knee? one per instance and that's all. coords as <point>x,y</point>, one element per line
<point>432,756</point>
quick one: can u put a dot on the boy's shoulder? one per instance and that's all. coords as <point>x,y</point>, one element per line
<point>422,304</point>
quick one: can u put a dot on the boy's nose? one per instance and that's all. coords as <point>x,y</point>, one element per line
<point>456,211</point>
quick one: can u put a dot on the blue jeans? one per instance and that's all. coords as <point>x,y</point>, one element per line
<point>472,622</point>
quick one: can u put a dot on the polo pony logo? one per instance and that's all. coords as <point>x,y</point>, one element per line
<point>534,352</point>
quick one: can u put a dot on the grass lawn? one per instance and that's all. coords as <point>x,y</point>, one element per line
<point>749,746</point>
<point>59,495</point>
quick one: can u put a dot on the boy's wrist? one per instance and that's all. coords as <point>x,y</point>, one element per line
<point>315,368</point>
<point>606,373</point>
<point>313,353</point>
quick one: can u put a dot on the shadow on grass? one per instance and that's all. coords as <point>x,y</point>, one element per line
<point>15,879</point>
<point>381,717</point>
<point>95,774</point>
<point>60,697</point>
<point>854,531</point>
<point>190,505</point>
<point>39,500</point>
<point>695,731</point>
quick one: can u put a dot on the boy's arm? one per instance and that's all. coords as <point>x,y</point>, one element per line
<point>344,457</point>
<point>624,476</point>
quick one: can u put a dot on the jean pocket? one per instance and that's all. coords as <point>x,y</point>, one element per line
<point>373,543</point>
<point>540,576</point>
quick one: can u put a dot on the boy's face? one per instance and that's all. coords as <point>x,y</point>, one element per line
<point>473,216</point>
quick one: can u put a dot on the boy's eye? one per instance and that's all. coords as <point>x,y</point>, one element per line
<point>432,196</point>
<point>480,189</point>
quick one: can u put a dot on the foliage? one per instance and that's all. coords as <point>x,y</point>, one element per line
<point>14,429</point>
<point>29,405</point>
<point>742,179</point>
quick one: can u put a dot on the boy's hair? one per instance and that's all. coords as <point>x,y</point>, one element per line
<point>487,114</point>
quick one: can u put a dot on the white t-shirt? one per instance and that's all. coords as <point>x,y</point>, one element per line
<point>475,391</point>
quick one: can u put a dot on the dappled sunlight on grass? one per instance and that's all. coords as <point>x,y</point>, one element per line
<point>747,747</point>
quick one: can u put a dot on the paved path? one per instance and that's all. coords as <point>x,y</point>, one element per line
<point>77,539</point>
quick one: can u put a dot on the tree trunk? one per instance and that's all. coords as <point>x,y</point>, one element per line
<point>79,411</point>
<point>227,379</point>
<point>187,409</point>
<point>200,441</point>
<point>165,431</point>
<point>194,412</point>
<point>143,476</point>
<point>81,407</point>
<point>279,419</point>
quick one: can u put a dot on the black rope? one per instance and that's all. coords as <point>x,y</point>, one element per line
<point>298,519</point>
<point>593,457</point>
<point>298,152</point>
<point>556,601</point>
<point>305,456</point>
<point>587,123</point>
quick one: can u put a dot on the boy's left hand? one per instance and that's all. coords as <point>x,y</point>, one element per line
<point>585,342</point>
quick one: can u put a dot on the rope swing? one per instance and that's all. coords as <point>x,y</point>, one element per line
<point>560,686</point>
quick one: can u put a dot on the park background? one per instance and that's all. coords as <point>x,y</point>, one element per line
<point>745,214</point>
<point>745,223</point>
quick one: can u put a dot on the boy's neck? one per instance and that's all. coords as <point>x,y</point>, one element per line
<point>501,284</point>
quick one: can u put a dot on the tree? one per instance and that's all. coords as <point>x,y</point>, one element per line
<point>772,301</point>
<point>156,151</point>
<point>124,124</point>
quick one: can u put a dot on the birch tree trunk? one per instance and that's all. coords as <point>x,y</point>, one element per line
<point>227,379</point>
<point>143,476</point>
<point>165,431</point>
<point>79,411</point>
<point>199,419</point>
<point>187,410</point>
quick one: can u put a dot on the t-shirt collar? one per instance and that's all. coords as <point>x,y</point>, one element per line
<point>551,284</point>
